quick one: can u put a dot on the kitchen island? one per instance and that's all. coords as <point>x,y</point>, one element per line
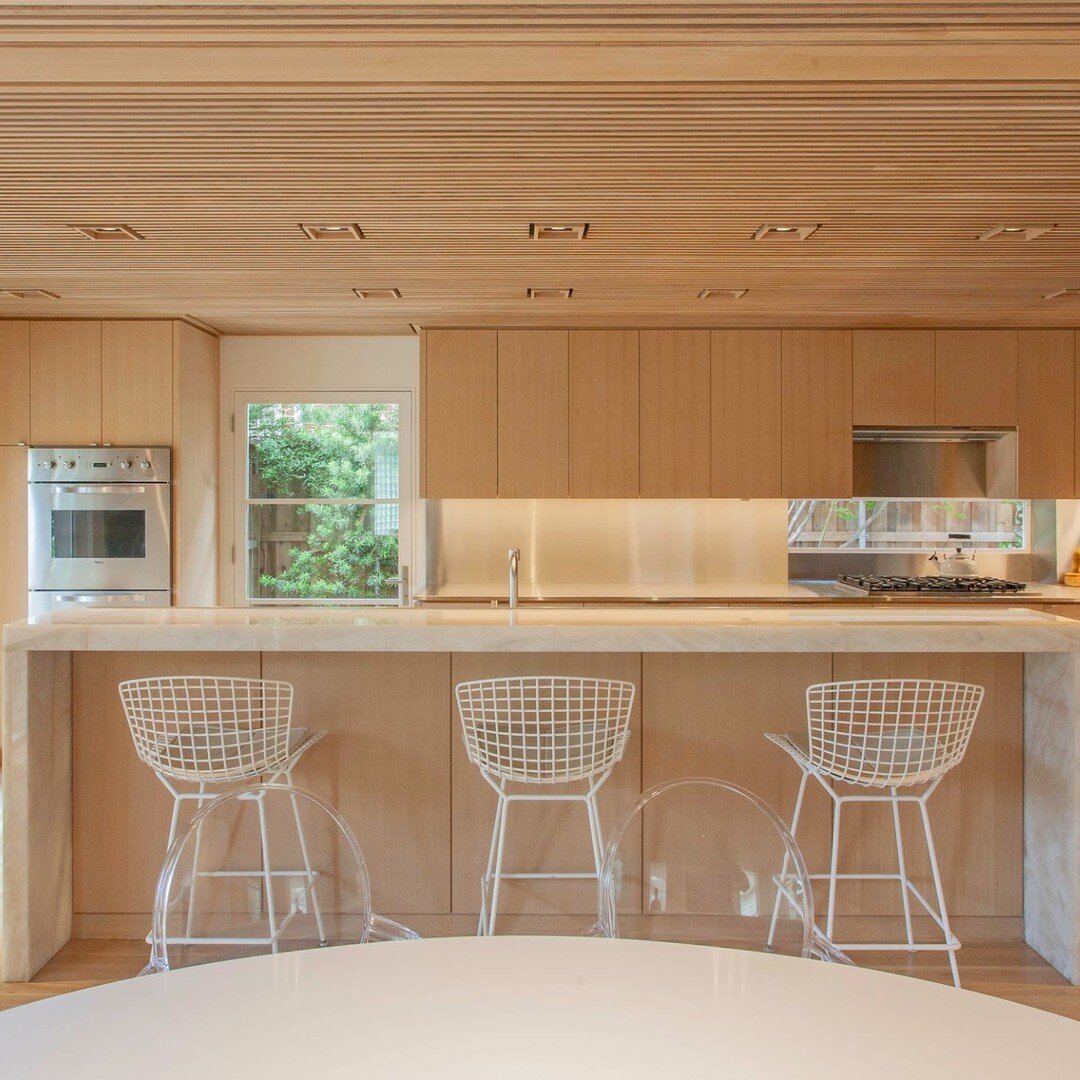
<point>85,821</point>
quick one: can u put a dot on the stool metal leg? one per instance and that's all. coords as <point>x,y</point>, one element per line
<point>268,880</point>
<point>195,864</point>
<point>901,866</point>
<point>500,847</point>
<point>784,869</point>
<point>950,941</point>
<point>308,873</point>
<point>833,865</point>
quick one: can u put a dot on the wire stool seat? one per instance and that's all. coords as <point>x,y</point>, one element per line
<point>542,731</point>
<point>212,730</point>
<point>886,736</point>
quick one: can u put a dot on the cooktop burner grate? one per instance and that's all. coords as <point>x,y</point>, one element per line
<point>873,585</point>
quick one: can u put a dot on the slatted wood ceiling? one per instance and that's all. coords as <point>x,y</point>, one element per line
<point>674,130</point>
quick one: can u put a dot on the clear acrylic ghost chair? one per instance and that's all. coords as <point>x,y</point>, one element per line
<point>714,861</point>
<point>539,732</point>
<point>309,889</point>
<point>886,735</point>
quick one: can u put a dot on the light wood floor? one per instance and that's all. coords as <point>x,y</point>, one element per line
<point>1007,969</point>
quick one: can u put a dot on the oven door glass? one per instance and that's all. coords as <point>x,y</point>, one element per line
<point>88,536</point>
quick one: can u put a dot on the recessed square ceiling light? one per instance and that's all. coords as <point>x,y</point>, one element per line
<point>414,327</point>
<point>730,294</point>
<point>549,294</point>
<point>557,232</point>
<point>333,232</point>
<point>1015,232</point>
<point>1061,292</point>
<point>108,232</point>
<point>785,232</point>
<point>378,294</point>
<point>30,294</point>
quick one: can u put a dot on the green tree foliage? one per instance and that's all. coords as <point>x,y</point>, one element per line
<point>340,451</point>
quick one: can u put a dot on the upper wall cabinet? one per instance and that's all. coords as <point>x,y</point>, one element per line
<point>533,414</point>
<point>15,382</point>
<point>460,419</point>
<point>136,383</point>
<point>816,414</point>
<point>65,383</point>
<point>976,379</point>
<point>1046,423</point>
<point>674,414</point>
<point>603,414</point>
<point>746,414</point>
<point>892,378</point>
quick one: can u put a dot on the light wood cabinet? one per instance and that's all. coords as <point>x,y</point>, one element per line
<point>533,414</point>
<point>674,414</point>
<point>13,554</point>
<point>14,381</point>
<point>746,414</point>
<point>976,378</point>
<point>65,383</point>
<point>892,378</point>
<point>459,403</point>
<point>1046,414</point>
<point>137,383</point>
<point>816,414</point>
<point>603,414</point>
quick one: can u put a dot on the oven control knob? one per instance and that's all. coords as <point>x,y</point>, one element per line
<point>46,464</point>
<point>69,464</point>
<point>144,465</point>
<point>125,464</point>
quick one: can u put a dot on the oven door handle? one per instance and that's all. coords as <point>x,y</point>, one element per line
<point>104,489</point>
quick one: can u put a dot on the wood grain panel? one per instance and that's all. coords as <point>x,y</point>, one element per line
<point>1046,413</point>
<point>603,408</point>
<point>137,383</point>
<point>538,837</point>
<point>976,382</point>
<point>707,715</point>
<point>746,414</point>
<point>385,763</point>
<point>65,383</point>
<point>195,424</point>
<point>816,414</point>
<point>533,414</point>
<point>13,551</point>
<point>977,808</point>
<point>674,414</point>
<point>892,377</point>
<point>120,809</point>
<point>460,389</point>
<point>15,380</point>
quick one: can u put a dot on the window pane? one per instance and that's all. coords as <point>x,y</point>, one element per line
<point>322,552</point>
<point>906,524</point>
<point>333,451</point>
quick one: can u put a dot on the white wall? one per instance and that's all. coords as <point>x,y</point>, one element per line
<point>281,365</point>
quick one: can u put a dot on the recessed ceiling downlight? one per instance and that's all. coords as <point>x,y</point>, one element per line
<point>378,294</point>
<point>785,232</point>
<point>549,294</point>
<point>108,232</point>
<point>540,231</point>
<point>351,231</point>
<point>1015,232</point>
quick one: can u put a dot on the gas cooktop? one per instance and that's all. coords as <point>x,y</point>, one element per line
<point>872,585</point>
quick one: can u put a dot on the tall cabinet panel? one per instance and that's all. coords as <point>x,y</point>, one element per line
<point>816,415</point>
<point>1046,414</point>
<point>674,414</point>
<point>603,412</point>
<point>65,383</point>
<point>14,381</point>
<point>533,414</point>
<point>976,378</point>
<point>459,400</point>
<point>892,378</point>
<point>746,414</point>
<point>12,538</point>
<point>136,383</point>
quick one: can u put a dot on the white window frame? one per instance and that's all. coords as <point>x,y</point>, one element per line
<point>406,499</point>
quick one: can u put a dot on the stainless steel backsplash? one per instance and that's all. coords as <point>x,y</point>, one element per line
<point>607,541</point>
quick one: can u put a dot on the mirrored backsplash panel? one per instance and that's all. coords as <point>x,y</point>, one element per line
<point>607,541</point>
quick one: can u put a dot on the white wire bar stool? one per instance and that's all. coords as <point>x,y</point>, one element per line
<point>890,736</point>
<point>274,906</point>
<point>211,731</point>
<point>706,873</point>
<point>542,731</point>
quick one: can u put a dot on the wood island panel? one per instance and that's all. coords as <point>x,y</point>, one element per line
<point>120,809</point>
<point>976,813</point>
<point>385,763</point>
<point>538,837</point>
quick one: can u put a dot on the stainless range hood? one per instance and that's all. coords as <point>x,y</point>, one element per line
<point>935,462</point>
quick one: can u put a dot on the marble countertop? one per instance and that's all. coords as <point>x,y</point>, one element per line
<point>789,592</point>
<point>645,628</point>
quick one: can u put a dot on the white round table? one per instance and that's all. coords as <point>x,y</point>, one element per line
<point>530,1007</point>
